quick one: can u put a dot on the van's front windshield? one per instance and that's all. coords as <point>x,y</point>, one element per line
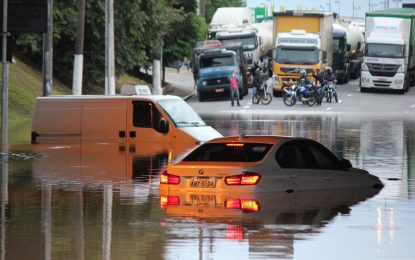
<point>181,113</point>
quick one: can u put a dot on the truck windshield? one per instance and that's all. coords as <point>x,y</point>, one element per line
<point>384,50</point>
<point>248,43</point>
<point>181,113</point>
<point>338,45</point>
<point>219,60</point>
<point>297,56</point>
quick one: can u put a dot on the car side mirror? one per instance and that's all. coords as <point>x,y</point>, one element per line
<point>163,126</point>
<point>347,164</point>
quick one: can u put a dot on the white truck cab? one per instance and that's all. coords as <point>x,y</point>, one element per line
<point>388,61</point>
<point>119,118</point>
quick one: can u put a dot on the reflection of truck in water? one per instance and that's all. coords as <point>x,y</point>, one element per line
<point>347,51</point>
<point>215,67</point>
<point>389,60</point>
<point>121,118</point>
<point>303,40</point>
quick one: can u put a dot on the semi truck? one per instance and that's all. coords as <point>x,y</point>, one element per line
<point>388,61</point>
<point>225,17</point>
<point>302,40</point>
<point>256,40</point>
<point>347,51</point>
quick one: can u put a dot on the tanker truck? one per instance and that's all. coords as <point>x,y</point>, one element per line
<point>389,60</point>
<point>225,17</point>
<point>256,40</point>
<point>347,51</point>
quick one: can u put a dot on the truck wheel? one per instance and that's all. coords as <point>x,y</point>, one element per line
<point>363,90</point>
<point>201,96</point>
<point>274,93</point>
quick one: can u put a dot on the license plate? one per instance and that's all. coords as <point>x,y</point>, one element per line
<point>219,90</point>
<point>201,199</point>
<point>203,182</point>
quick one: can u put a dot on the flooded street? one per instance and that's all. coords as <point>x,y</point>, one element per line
<point>101,201</point>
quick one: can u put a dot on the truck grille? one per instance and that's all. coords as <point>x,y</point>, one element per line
<point>217,81</point>
<point>292,70</point>
<point>382,84</point>
<point>383,70</point>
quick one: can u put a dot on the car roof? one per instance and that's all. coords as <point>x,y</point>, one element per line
<point>271,139</point>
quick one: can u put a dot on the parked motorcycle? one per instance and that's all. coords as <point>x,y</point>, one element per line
<point>329,91</point>
<point>262,94</point>
<point>307,94</point>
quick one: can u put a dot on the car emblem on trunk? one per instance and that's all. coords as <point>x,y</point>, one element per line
<point>218,81</point>
<point>201,172</point>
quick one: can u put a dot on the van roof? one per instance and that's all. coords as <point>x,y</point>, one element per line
<point>103,97</point>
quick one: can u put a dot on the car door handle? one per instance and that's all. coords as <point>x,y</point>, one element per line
<point>327,178</point>
<point>293,176</point>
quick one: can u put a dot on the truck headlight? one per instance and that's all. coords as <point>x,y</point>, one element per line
<point>204,83</point>
<point>401,69</point>
<point>365,67</point>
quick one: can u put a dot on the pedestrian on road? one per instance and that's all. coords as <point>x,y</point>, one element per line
<point>234,88</point>
<point>256,85</point>
<point>179,65</point>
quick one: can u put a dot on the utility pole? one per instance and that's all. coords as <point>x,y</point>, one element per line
<point>109,48</point>
<point>79,50</point>
<point>5,89</point>
<point>48,52</point>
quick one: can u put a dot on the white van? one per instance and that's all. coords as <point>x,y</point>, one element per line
<point>133,119</point>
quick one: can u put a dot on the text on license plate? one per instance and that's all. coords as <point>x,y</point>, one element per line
<point>200,199</point>
<point>203,182</point>
<point>219,90</point>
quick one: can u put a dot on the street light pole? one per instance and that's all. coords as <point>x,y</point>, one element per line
<point>109,48</point>
<point>5,89</point>
<point>338,6</point>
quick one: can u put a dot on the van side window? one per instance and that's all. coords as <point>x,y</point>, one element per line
<point>146,115</point>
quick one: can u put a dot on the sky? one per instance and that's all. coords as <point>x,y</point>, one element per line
<point>344,7</point>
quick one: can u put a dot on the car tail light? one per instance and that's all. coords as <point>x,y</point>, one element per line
<point>166,178</point>
<point>169,200</point>
<point>247,178</point>
<point>243,204</point>
<point>235,145</point>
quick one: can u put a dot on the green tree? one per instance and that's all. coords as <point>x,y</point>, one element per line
<point>180,41</point>
<point>140,26</point>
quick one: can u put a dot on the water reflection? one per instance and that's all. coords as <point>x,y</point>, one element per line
<point>270,223</point>
<point>89,201</point>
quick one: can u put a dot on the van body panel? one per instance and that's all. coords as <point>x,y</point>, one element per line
<point>103,120</point>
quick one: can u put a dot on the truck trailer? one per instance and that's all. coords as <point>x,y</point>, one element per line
<point>388,61</point>
<point>226,17</point>
<point>302,40</point>
<point>347,51</point>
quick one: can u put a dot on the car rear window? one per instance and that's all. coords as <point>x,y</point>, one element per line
<point>229,152</point>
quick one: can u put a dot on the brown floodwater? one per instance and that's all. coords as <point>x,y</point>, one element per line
<point>101,201</point>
